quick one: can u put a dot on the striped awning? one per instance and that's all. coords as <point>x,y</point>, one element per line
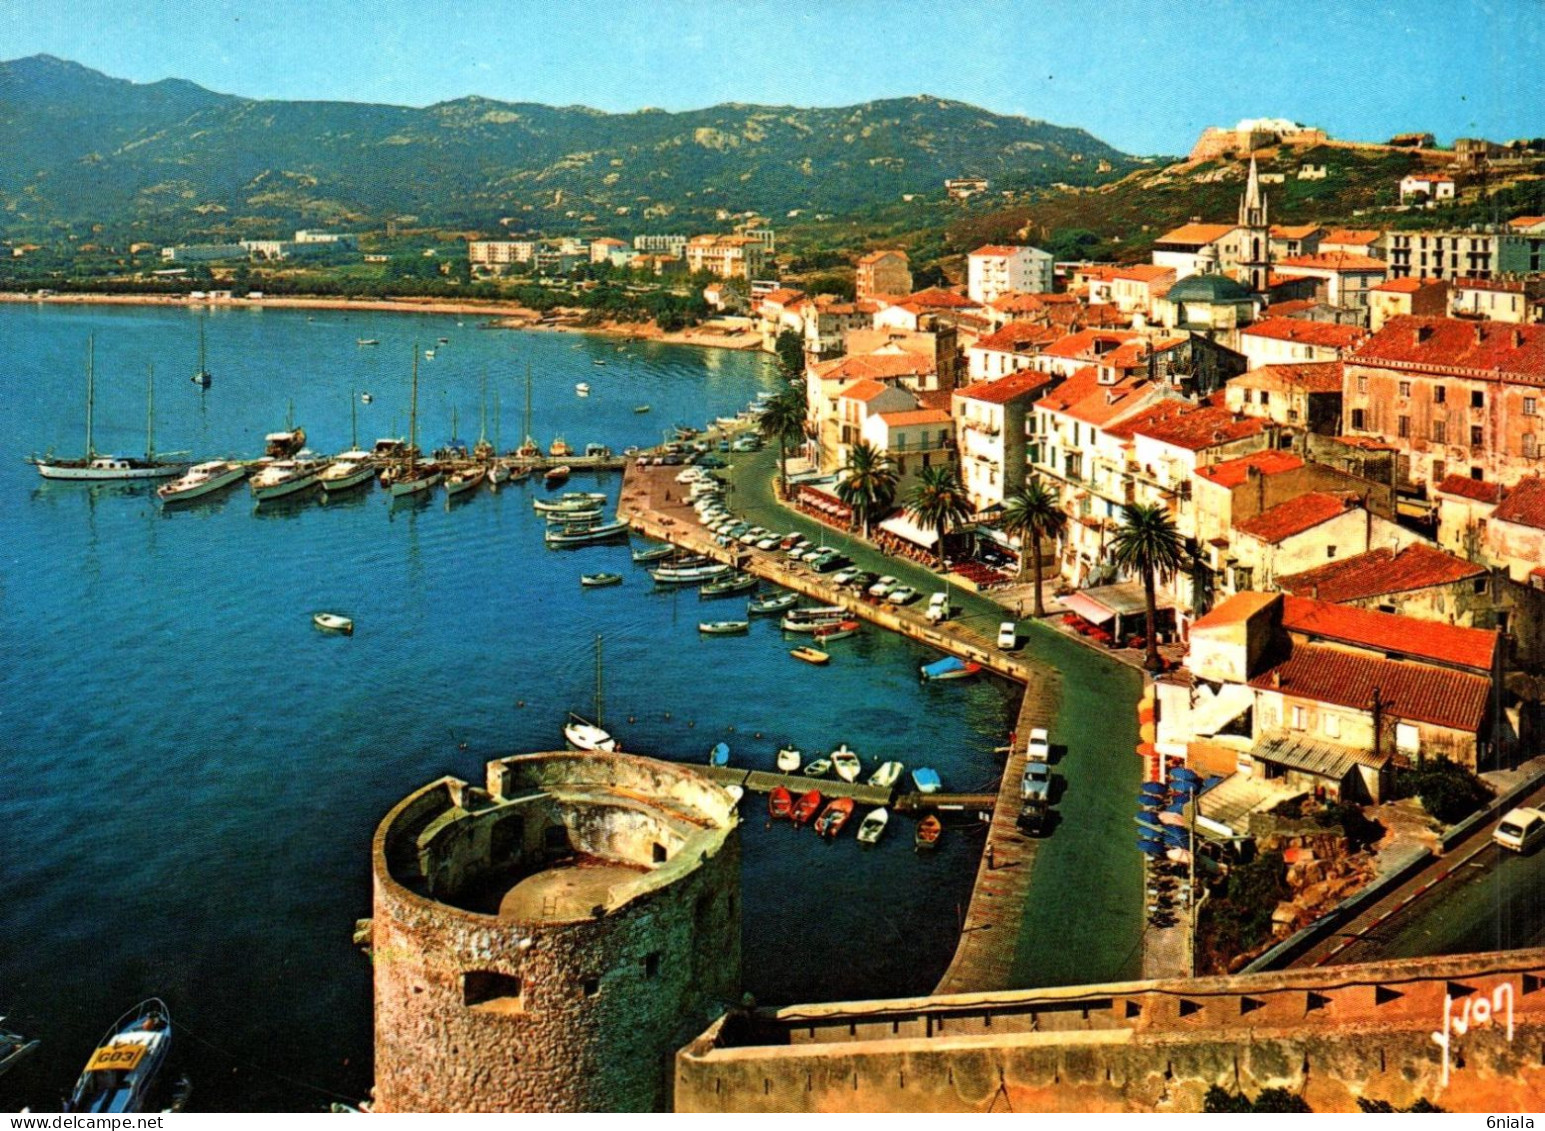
<point>1088,608</point>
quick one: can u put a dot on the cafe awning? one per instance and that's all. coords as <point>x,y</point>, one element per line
<point>903,527</point>
<point>1091,610</point>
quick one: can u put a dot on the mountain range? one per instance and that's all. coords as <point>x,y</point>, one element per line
<point>172,159</point>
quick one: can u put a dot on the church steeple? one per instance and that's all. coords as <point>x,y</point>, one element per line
<point>1255,243</point>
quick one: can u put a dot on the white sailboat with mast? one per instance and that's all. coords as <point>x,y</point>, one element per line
<point>498,470</point>
<point>95,467</point>
<point>580,733</point>
<point>529,448</point>
<point>412,477</point>
<point>352,468</point>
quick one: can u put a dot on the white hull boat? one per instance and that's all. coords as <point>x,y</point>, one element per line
<point>688,575</point>
<point>349,470</point>
<point>887,775</point>
<point>582,735</point>
<point>873,826</point>
<point>285,477</point>
<point>845,762</point>
<point>583,535</point>
<point>464,481</point>
<point>202,479</point>
<point>789,759</point>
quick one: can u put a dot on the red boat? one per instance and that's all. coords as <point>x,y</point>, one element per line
<point>929,830</point>
<point>780,803</point>
<point>836,815</point>
<point>806,807</point>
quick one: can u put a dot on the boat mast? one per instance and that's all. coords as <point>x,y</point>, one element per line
<point>496,420</point>
<point>150,414</point>
<point>353,420</point>
<point>413,416</point>
<point>482,412</point>
<point>598,679</point>
<point>91,345</point>
<point>530,443</point>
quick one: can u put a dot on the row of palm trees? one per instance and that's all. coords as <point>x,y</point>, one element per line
<point>1146,543</point>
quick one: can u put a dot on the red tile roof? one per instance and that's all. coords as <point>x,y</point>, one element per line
<point>1407,286</point>
<point>1524,505</point>
<point>1522,222</point>
<point>997,251</point>
<point>875,366</point>
<point>1335,261</point>
<point>916,416</point>
<point>1005,389</point>
<point>1331,335</point>
<point>1410,691</point>
<point>1197,234</point>
<point>1304,512</point>
<point>1081,345</point>
<point>1236,609</point>
<point>1292,306</point>
<point>1234,472</point>
<point>1477,489</point>
<point>1488,350</point>
<point>1144,273</point>
<point>1293,232</point>
<point>937,298</point>
<point>783,296</point>
<point>1196,427</point>
<point>1307,376</point>
<point>1379,572</point>
<point>1019,337</point>
<point>1083,398</point>
<point>876,256</point>
<point>1395,635</point>
<point>864,391</point>
<point>1352,237</point>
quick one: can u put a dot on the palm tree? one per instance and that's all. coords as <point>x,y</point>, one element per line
<point>783,420</point>
<point>867,482</point>
<point>1033,514</point>
<point>938,500</point>
<point>1148,542</point>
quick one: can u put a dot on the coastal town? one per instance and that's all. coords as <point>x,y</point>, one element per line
<point>1137,704</point>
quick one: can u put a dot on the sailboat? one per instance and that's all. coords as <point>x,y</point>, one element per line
<point>412,477</point>
<point>95,467</point>
<point>202,377</point>
<point>498,470</point>
<point>584,735</point>
<point>353,467</point>
<point>483,450</point>
<point>529,448</point>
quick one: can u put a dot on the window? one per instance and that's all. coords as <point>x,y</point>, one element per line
<point>1477,435</point>
<point>1243,576</point>
<point>1330,551</point>
<point>1300,718</point>
<point>1331,724</point>
<point>1530,446</point>
<point>1362,384</point>
<point>1292,416</point>
<point>1477,398</point>
<point>1439,394</point>
<point>492,989</point>
<point>1359,418</point>
<point>1403,427</point>
<point>1529,407</point>
<point>1265,397</point>
<point>1480,585</point>
<point>1439,432</point>
<point>592,987</point>
<point>1405,388</point>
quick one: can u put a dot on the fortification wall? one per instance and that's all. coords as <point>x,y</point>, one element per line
<point>482,1012</point>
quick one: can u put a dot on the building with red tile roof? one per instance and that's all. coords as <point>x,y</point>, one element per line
<point>1196,428</point>
<point>1303,397</point>
<point>1275,340</point>
<point>1009,349</point>
<point>1476,490</point>
<point>1237,471</point>
<point>1411,295</point>
<point>1467,649</point>
<point>1073,351</point>
<point>1195,235</point>
<point>1355,241</point>
<point>883,272</point>
<point>1384,572</point>
<point>1499,300</point>
<point>1286,520</point>
<point>1027,382</point>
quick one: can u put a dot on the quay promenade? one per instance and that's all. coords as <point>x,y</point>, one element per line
<point>1087,912</point>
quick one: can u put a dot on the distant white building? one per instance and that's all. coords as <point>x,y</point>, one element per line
<point>996,270</point>
<point>661,245</point>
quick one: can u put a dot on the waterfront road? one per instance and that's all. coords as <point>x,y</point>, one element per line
<point>1478,897</point>
<point>1084,916</point>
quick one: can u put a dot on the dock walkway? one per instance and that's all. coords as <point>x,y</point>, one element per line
<point>765,781</point>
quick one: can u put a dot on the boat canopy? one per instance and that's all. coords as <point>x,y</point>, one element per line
<point>944,667</point>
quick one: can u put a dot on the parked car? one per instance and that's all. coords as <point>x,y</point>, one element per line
<point>843,576</point>
<point>1036,782</point>
<point>829,563</point>
<point>902,595</point>
<point>768,544</point>
<point>863,579</point>
<point>1520,829</point>
<point>1008,635</point>
<point>1039,747</point>
<point>1034,818</point>
<point>791,540</point>
<point>883,586</point>
<point>938,608</point>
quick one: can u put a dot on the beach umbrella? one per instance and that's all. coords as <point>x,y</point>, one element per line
<point>1176,838</point>
<point>1154,787</point>
<point>1172,819</point>
<point>1146,802</point>
<point>1189,788</point>
<point>1176,806</point>
<point>1183,774</point>
<point>1150,847</point>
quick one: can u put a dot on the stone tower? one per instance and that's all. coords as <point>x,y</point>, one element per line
<point>1255,247</point>
<point>548,942</point>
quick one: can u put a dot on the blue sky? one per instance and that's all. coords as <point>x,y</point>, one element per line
<point>1144,75</point>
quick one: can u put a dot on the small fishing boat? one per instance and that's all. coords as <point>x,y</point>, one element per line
<point>597,361</point>
<point>887,775</point>
<point>567,503</point>
<point>818,768</point>
<point>926,780</point>
<point>461,482</point>
<point>950,667</point>
<point>366,398</point>
<point>805,808</point>
<point>200,480</point>
<point>723,627</point>
<point>789,758</point>
<point>929,829</point>
<point>599,580</point>
<point>367,341</point>
<point>14,1047</point>
<point>838,631</point>
<point>574,535</point>
<point>581,734</point>
<point>811,655</point>
<point>429,355</point>
<point>123,1069</point>
<point>833,817</point>
<point>810,619</point>
<point>846,763</point>
<point>582,389</point>
<point>780,803</point>
<point>729,586</point>
<point>653,554</point>
<point>498,472</point>
<point>688,575</point>
<point>445,341</point>
<point>873,826</point>
<point>560,449</point>
<point>772,603</point>
<point>640,408</point>
<point>333,622</point>
<point>556,475</point>
<point>720,754</point>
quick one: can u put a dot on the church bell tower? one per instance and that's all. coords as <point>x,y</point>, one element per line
<point>1255,257</point>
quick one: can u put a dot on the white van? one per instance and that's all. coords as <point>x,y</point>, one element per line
<point>1520,829</point>
<point>938,608</point>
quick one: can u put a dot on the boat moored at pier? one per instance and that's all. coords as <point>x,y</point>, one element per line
<point>201,480</point>
<point>123,1070</point>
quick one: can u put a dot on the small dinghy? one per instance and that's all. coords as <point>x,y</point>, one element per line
<point>926,780</point>
<point>929,829</point>
<point>653,554</point>
<point>836,814</point>
<point>805,808</point>
<point>723,627</point>
<point>720,754</point>
<point>788,759</point>
<point>887,775</point>
<point>819,768</point>
<point>950,667</point>
<point>873,826</point>
<point>774,603</point>
<point>811,655</point>
<point>846,763</point>
<point>333,622</point>
<point>599,580</point>
<point>780,803</point>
